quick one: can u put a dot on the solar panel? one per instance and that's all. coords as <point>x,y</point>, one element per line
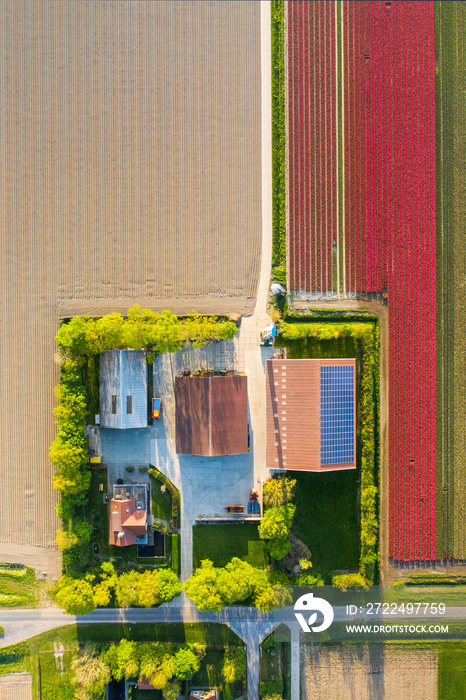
<point>336,414</point>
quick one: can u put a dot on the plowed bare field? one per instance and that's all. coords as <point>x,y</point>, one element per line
<point>369,671</point>
<point>130,173</point>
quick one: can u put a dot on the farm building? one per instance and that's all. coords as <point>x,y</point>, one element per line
<point>211,415</point>
<point>128,515</point>
<point>123,389</point>
<point>311,414</point>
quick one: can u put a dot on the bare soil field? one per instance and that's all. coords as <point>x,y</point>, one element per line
<point>364,672</point>
<point>130,158</point>
<point>16,686</point>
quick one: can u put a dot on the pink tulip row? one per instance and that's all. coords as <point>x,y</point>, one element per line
<point>311,143</point>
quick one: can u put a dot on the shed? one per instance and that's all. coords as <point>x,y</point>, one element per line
<point>123,389</point>
<point>211,415</point>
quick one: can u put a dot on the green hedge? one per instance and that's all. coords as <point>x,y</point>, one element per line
<point>1,631</point>
<point>278,143</point>
<point>176,553</point>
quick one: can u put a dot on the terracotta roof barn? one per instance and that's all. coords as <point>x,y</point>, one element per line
<point>311,414</point>
<point>211,415</point>
<point>123,389</point>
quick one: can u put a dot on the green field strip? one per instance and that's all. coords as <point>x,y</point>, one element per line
<point>450,26</point>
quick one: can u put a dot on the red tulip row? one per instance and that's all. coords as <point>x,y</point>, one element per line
<point>311,143</point>
<point>389,212</point>
<point>410,109</point>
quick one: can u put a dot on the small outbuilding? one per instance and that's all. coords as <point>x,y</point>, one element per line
<point>123,389</point>
<point>211,415</point>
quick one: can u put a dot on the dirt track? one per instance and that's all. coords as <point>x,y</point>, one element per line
<point>130,158</point>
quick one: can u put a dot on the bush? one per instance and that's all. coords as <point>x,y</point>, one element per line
<point>279,547</point>
<point>1,631</point>
<point>276,522</point>
<point>345,581</point>
<point>175,553</point>
<point>267,688</point>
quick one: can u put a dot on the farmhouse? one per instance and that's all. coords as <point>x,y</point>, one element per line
<point>128,515</point>
<point>211,415</point>
<point>123,389</point>
<point>311,414</point>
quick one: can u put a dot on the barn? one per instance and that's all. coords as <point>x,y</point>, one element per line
<point>211,415</point>
<point>311,414</point>
<point>123,389</point>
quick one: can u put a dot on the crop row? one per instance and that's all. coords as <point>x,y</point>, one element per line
<point>312,177</point>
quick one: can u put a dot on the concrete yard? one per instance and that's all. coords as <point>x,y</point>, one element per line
<point>130,158</point>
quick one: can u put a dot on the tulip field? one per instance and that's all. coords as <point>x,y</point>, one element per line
<point>363,198</point>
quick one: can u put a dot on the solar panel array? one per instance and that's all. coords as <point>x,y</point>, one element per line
<point>336,415</point>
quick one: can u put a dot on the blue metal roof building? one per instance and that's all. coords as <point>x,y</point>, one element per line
<point>123,389</point>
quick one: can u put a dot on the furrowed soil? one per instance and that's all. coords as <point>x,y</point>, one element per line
<point>369,671</point>
<point>130,157</point>
<point>450,27</point>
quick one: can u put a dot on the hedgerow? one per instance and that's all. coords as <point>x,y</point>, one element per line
<point>278,143</point>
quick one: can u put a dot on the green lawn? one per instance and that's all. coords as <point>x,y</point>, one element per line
<point>18,588</point>
<point>210,633</point>
<point>326,519</point>
<point>145,694</point>
<point>451,679</point>
<point>161,502</point>
<point>221,542</point>
<point>54,685</point>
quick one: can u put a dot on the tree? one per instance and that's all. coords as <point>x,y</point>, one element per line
<point>168,585</point>
<point>127,589</point>
<point>234,664</point>
<point>276,522</point>
<point>278,547</point>
<point>187,663</point>
<point>265,598</point>
<point>236,581</point>
<point>150,658</point>
<point>75,595</point>
<point>172,690</point>
<point>123,659</point>
<point>202,587</point>
<point>91,671</point>
<point>278,491</point>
